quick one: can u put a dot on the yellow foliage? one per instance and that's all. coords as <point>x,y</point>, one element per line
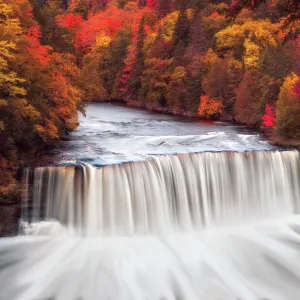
<point>103,41</point>
<point>10,27</point>
<point>149,41</point>
<point>168,23</point>
<point>252,55</point>
<point>264,33</point>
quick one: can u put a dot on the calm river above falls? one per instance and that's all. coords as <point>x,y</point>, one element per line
<point>145,206</point>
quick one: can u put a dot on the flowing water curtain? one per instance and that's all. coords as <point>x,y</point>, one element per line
<point>166,194</point>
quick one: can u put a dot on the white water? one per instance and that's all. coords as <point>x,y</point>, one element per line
<point>113,134</point>
<point>166,194</point>
<point>248,263</point>
<point>207,226</point>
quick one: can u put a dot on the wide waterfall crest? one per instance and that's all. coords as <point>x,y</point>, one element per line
<point>168,193</point>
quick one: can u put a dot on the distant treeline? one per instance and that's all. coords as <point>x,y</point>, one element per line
<point>237,59</point>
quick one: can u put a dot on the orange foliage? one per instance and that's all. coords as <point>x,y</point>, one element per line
<point>209,107</point>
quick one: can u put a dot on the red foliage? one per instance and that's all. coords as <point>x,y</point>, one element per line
<point>34,48</point>
<point>34,32</point>
<point>215,15</point>
<point>70,21</point>
<point>233,3</point>
<point>125,75</point>
<point>269,117</point>
<point>29,13</point>
<point>296,89</point>
<point>151,4</point>
<point>107,22</point>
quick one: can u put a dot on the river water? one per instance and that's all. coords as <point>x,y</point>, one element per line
<point>112,134</point>
<point>147,206</point>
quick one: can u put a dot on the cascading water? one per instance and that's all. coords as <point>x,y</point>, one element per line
<point>166,194</point>
<point>208,226</point>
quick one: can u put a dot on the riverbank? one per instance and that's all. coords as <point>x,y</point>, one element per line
<point>168,111</point>
<point>281,141</point>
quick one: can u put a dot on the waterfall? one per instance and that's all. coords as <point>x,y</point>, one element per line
<point>206,226</point>
<point>186,192</point>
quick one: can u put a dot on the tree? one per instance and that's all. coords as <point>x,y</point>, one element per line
<point>112,62</point>
<point>248,39</point>
<point>176,90</point>
<point>289,9</point>
<point>70,21</point>
<point>13,105</point>
<point>288,107</point>
<point>160,47</point>
<point>138,67</point>
<point>246,110</point>
<point>152,4</point>
<point>296,56</point>
<point>155,80</point>
<point>80,7</point>
<point>39,90</point>
<point>197,5</point>
<point>209,107</point>
<point>221,77</point>
<point>194,88</point>
<point>268,118</point>
<point>181,30</point>
<point>197,44</point>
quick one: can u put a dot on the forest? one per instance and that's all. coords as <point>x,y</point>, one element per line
<point>232,60</point>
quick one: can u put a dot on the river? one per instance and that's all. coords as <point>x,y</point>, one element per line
<point>112,134</point>
<point>140,205</point>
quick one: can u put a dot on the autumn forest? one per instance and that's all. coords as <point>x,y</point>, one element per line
<point>234,60</point>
